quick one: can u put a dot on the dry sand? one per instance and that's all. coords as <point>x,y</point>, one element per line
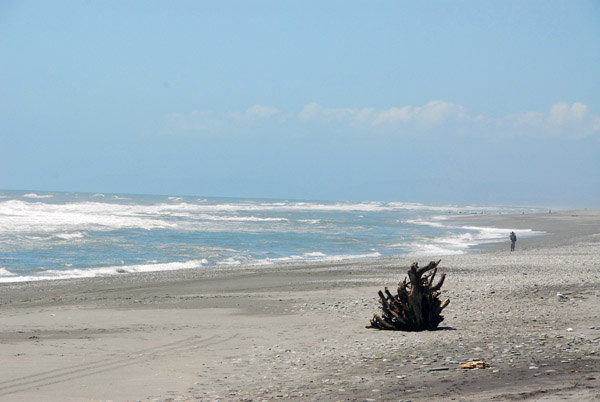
<point>298,332</point>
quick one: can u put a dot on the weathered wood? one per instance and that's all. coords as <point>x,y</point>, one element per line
<point>416,306</point>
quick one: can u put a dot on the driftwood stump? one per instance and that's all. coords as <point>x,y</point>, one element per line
<point>417,306</point>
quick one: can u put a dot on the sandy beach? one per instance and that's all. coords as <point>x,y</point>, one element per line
<point>297,332</point>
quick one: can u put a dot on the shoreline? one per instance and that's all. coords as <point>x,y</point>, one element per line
<point>473,220</point>
<point>560,227</point>
<point>298,333</point>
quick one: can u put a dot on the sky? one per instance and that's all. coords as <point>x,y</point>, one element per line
<point>468,102</point>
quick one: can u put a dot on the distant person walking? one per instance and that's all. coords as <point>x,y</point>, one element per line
<point>513,241</point>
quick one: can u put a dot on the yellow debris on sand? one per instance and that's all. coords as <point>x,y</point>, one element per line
<point>475,364</point>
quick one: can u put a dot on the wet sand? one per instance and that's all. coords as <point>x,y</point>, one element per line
<point>297,332</point>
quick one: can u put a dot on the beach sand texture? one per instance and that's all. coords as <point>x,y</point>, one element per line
<point>297,332</point>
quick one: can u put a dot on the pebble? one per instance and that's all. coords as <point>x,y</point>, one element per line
<point>356,361</point>
<point>438,369</point>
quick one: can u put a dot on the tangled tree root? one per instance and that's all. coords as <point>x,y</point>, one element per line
<point>417,306</point>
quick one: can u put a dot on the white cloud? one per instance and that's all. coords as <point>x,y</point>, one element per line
<point>314,111</point>
<point>562,120</point>
<point>562,113</point>
<point>437,112</point>
<point>261,112</point>
<point>528,118</point>
<point>432,114</point>
<point>393,115</point>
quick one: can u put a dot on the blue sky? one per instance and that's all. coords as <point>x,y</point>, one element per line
<point>491,102</point>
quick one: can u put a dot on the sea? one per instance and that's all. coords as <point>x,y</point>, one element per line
<point>59,235</point>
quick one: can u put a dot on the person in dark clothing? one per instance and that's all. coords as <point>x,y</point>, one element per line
<point>513,241</point>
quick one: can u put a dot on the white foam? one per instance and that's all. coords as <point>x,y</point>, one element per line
<point>236,218</point>
<point>459,243</point>
<point>432,249</point>
<point>18,216</point>
<point>305,257</point>
<point>314,254</point>
<point>5,272</point>
<point>40,196</point>
<point>22,216</point>
<point>310,221</point>
<point>70,236</point>
<point>422,222</point>
<point>290,206</point>
<point>82,216</point>
<point>99,272</point>
<point>35,223</point>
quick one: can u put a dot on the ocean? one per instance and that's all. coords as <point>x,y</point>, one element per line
<point>52,235</point>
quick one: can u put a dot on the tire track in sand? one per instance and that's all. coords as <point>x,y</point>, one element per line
<point>89,369</point>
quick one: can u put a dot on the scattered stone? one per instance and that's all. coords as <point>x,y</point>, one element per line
<point>438,369</point>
